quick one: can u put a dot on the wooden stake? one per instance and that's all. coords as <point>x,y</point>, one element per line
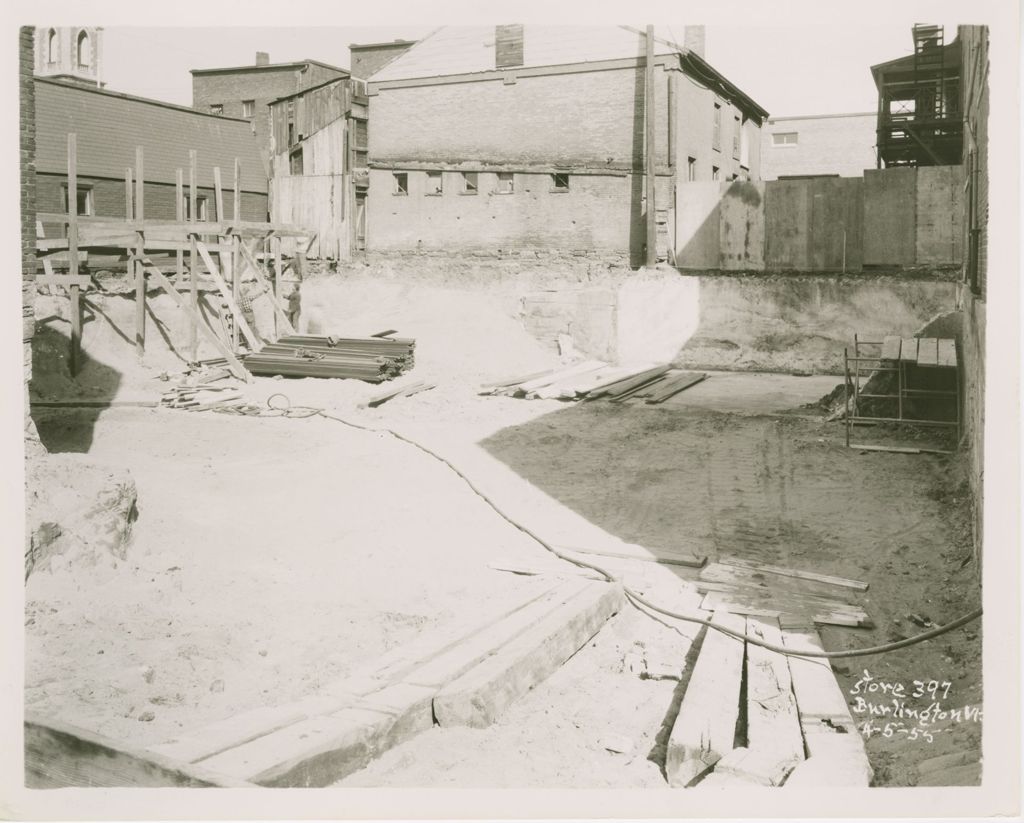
<point>140,274</point>
<point>192,259</point>
<point>76,300</point>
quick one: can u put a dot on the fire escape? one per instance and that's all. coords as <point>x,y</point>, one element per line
<point>919,121</point>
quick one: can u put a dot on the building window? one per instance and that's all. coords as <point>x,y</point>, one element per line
<point>716,129</point>
<point>691,169</point>
<point>401,183</point>
<point>52,47</point>
<point>295,161</point>
<point>736,129</point>
<point>248,108</point>
<point>435,183</point>
<point>559,182</point>
<point>506,183</point>
<point>470,182</point>
<point>216,108</point>
<point>715,173</point>
<point>83,50</point>
<point>784,138</point>
<point>201,207</point>
<point>85,202</point>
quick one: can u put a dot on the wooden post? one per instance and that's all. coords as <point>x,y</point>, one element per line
<point>651,257</point>
<point>129,208</point>
<point>140,273</point>
<point>76,299</point>
<point>179,215</point>
<point>236,290</point>
<point>275,243</point>
<point>192,259</point>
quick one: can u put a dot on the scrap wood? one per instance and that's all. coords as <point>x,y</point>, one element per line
<point>568,388</point>
<point>596,382</point>
<point>675,384</point>
<point>791,616</point>
<point>802,575</point>
<point>398,391</point>
<point>386,333</point>
<point>743,576</point>
<point>531,387</point>
<point>490,388</point>
<point>629,551</point>
<point>631,383</point>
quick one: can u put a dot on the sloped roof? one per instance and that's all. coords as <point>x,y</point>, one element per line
<point>469,49</point>
<point>109,126</point>
<point>295,64</point>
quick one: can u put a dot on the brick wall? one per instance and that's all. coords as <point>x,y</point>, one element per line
<point>109,199</point>
<point>599,214</point>
<point>27,153</point>
<point>832,144</point>
<point>695,110</point>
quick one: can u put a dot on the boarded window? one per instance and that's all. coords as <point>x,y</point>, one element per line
<point>435,183</point>
<point>508,46</point>
<point>784,138</point>
<point>691,169</point>
<point>506,182</point>
<point>84,199</point>
<point>248,108</point>
<point>401,183</point>
<point>295,161</point>
<point>716,129</point>
<point>470,182</point>
<point>559,182</point>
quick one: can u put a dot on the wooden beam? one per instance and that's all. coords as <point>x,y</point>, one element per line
<point>234,364</point>
<point>275,245</point>
<point>140,274</point>
<point>282,318</point>
<point>129,202</point>
<point>928,352</point>
<point>74,361</point>
<point>225,291</point>
<point>908,350</point>
<point>236,263</point>
<point>192,258</point>
<point>627,551</point>
<point>843,582</point>
<point>179,215</point>
<point>947,352</point>
<point>65,280</point>
<point>218,194</point>
<point>59,755</point>
<point>651,254</point>
<point>705,728</point>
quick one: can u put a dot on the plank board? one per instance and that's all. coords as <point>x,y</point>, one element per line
<point>791,615</point>
<point>928,352</point>
<point>670,388</point>
<point>705,728</point>
<point>767,582</point>
<point>783,571</point>
<point>947,353</point>
<point>562,374</point>
<point>773,722</point>
<point>908,350</point>
<point>818,695</point>
<point>627,385</point>
<point>890,348</point>
<point>59,755</point>
<point>482,694</point>
<point>629,551</point>
<point>778,598</point>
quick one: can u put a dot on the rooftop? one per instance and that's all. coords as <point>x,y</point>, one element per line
<point>298,64</point>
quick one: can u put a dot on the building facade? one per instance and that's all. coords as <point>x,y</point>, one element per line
<point>70,53</point>
<point>824,145</point>
<point>517,138</point>
<point>246,91</point>
<point>108,128</point>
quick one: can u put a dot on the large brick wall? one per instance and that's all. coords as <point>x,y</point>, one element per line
<point>598,214</point>
<point>694,130</point>
<point>842,144</point>
<point>27,155</point>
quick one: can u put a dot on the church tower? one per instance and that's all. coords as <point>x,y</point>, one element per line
<point>71,53</point>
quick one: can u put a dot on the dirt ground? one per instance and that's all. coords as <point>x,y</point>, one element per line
<point>273,555</point>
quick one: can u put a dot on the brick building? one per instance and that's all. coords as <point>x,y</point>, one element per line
<point>109,126</point>
<point>247,91</point>
<point>818,145</point>
<point>491,139</point>
<point>71,53</point>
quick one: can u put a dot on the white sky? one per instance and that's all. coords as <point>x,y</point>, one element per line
<point>789,70</point>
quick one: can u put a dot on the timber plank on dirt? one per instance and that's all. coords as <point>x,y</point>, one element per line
<point>705,728</point>
<point>629,551</point>
<point>482,694</point>
<point>947,352</point>
<point>59,755</point>
<point>908,350</point>
<point>555,377</point>
<point>782,571</point>
<point>890,348</point>
<point>773,722</point>
<point>672,387</point>
<point>788,615</point>
<point>928,351</point>
<point>631,383</point>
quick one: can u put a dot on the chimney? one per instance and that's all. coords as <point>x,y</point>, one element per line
<point>693,39</point>
<point>262,58</point>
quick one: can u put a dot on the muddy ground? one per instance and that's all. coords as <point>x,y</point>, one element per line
<point>273,555</point>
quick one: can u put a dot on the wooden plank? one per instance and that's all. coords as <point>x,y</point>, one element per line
<point>769,583</point>
<point>890,348</point>
<point>65,280</point>
<point>225,291</point>
<point>285,323</point>
<point>705,728</point>
<point>819,698</point>
<point>788,615</point>
<point>624,386</point>
<point>237,369</point>
<point>629,551</point>
<point>531,386</point>
<point>75,355</point>
<point>218,195</point>
<point>843,582</point>
<point>947,352</point>
<point>59,755</point>
<point>179,214</point>
<point>129,200</point>
<point>773,722</point>
<point>776,597</point>
<point>894,449</point>
<point>671,388</point>
<point>596,382</point>
<point>928,351</point>
<point>908,350</point>
<point>193,272</point>
<point>482,694</point>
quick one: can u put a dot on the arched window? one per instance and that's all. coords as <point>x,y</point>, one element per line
<point>52,44</point>
<point>84,50</point>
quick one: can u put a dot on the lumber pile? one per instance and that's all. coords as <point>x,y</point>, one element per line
<point>790,726</point>
<point>795,597</point>
<point>596,380</point>
<point>372,359</point>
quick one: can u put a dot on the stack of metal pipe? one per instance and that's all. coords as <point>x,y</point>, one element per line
<point>373,359</point>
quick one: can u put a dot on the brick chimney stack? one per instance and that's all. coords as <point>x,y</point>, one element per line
<point>262,58</point>
<point>693,39</point>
